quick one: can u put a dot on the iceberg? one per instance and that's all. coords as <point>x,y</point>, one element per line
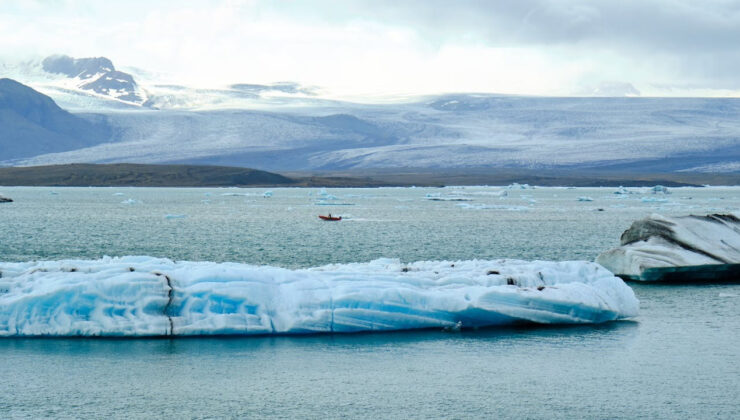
<point>146,296</point>
<point>683,248</point>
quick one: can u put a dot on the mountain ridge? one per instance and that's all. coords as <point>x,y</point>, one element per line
<point>33,123</point>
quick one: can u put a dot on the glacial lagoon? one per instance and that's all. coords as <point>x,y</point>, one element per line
<point>676,359</point>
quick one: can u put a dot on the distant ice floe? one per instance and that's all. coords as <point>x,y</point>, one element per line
<point>518,186</point>
<point>492,207</point>
<point>438,197</point>
<point>145,296</point>
<point>622,191</point>
<point>585,199</point>
<point>653,200</point>
<point>693,247</point>
<point>175,216</point>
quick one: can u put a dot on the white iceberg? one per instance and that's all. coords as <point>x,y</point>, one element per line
<point>677,248</point>
<point>145,296</point>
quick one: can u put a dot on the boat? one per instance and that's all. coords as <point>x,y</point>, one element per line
<point>330,218</point>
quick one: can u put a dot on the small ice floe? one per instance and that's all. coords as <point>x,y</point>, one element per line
<point>585,199</point>
<point>118,194</point>
<point>518,186</point>
<point>653,200</point>
<point>622,191</point>
<point>267,194</point>
<point>175,216</point>
<point>491,207</point>
<point>130,201</point>
<point>728,295</point>
<point>449,199</point>
<point>659,189</point>
<point>326,203</point>
<point>235,194</point>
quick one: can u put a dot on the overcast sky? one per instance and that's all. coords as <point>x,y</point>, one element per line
<point>375,48</point>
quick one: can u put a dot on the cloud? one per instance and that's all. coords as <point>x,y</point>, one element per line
<point>367,47</point>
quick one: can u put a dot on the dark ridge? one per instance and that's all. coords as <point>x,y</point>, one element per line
<point>77,67</point>
<point>182,175</point>
<point>138,175</point>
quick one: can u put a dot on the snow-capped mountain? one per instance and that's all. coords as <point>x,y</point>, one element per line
<point>97,75</point>
<point>94,84</point>
<point>286,126</point>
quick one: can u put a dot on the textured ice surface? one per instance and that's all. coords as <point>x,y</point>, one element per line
<point>145,296</point>
<point>659,134</point>
<point>661,241</point>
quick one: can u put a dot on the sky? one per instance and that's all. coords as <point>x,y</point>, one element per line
<point>385,48</point>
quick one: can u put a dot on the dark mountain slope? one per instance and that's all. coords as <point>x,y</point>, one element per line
<point>31,123</point>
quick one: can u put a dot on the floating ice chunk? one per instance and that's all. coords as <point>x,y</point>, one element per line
<point>144,296</point>
<point>449,199</point>
<point>130,201</point>
<point>622,191</point>
<point>267,194</point>
<point>653,200</point>
<point>118,193</point>
<point>175,216</point>
<point>326,203</point>
<point>585,199</point>
<point>518,186</point>
<point>659,189</point>
<point>492,207</point>
<point>652,248</point>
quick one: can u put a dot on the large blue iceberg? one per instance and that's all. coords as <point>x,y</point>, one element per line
<point>145,296</point>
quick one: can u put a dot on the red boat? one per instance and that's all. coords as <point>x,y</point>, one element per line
<point>330,218</point>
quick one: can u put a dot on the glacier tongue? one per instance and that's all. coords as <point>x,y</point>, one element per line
<point>145,296</point>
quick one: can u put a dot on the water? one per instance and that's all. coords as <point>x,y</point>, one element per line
<point>678,359</point>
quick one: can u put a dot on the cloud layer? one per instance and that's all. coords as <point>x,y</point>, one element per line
<point>374,48</point>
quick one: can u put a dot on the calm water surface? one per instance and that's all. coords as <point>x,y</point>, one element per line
<point>678,359</point>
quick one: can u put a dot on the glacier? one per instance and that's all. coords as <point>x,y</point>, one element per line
<point>147,296</point>
<point>680,248</point>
